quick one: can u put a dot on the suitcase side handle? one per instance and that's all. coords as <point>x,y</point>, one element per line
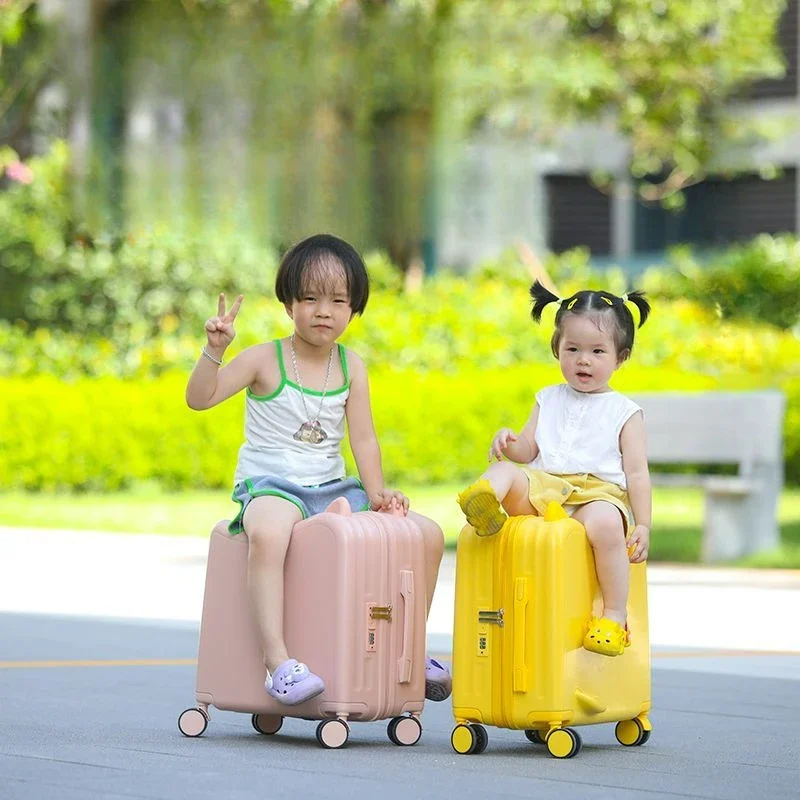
<point>520,679</point>
<point>409,601</point>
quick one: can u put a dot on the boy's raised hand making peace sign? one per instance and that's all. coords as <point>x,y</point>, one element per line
<point>219,329</point>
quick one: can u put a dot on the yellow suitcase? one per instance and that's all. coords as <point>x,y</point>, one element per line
<point>523,601</point>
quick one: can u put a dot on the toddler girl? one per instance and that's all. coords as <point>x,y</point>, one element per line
<point>582,446</point>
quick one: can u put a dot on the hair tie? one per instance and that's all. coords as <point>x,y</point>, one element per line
<point>571,303</point>
<point>606,300</point>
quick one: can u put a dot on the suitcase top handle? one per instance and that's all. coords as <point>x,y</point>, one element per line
<point>341,506</point>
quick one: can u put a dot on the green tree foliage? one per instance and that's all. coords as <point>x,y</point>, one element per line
<point>351,102</point>
<point>127,288</point>
<point>757,280</point>
<point>348,101</point>
<point>24,71</point>
<point>661,72</point>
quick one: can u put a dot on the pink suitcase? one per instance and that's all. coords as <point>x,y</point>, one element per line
<point>354,612</point>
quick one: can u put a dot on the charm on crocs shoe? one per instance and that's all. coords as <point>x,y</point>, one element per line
<point>606,637</point>
<point>293,683</point>
<point>482,508</point>
<point>438,683</point>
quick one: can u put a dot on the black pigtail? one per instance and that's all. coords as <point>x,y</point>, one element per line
<point>541,297</point>
<point>640,301</point>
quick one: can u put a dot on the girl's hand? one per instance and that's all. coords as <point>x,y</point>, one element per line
<point>389,500</point>
<point>219,329</point>
<point>639,544</point>
<point>502,439</point>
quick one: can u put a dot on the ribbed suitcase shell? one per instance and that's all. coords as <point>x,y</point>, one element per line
<point>537,578</point>
<point>342,572</point>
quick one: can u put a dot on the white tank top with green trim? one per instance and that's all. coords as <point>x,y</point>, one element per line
<point>272,420</point>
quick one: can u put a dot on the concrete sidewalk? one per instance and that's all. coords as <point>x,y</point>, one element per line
<point>155,577</point>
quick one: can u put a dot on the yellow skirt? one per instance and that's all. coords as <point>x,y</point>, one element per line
<point>572,491</point>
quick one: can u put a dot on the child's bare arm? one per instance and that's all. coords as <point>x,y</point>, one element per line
<point>209,383</point>
<point>522,447</point>
<point>363,439</point>
<point>633,446</point>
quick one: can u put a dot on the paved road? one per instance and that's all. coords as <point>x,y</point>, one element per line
<point>99,632</point>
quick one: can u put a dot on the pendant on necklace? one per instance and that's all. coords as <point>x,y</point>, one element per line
<point>310,432</point>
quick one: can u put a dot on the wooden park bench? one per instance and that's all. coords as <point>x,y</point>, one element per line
<point>708,428</point>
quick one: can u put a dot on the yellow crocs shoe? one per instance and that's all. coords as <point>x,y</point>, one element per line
<point>606,637</point>
<point>482,508</point>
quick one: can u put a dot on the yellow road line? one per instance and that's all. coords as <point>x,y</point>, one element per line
<point>692,654</point>
<point>189,662</point>
<point>137,662</point>
<point>723,653</point>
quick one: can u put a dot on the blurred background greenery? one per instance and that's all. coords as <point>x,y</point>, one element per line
<point>155,152</point>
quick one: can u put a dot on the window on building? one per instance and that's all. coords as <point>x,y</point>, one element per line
<point>579,215</point>
<point>718,212</point>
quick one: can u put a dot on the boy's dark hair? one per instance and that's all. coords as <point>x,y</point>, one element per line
<point>589,301</point>
<point>314,251</point>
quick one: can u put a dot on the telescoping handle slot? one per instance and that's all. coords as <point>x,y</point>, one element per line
<point>409,601</point>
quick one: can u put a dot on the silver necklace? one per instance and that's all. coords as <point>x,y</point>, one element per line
<point>310,431</point>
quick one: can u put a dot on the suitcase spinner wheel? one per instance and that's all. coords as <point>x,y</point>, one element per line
<point>535,737</point>
<point>193,722</point>
<point>468,740</point>
<point>563,743</point>
<point>633,732</point>
<point>404,731</point>
<point>268,724</point>
<point>333,733</point>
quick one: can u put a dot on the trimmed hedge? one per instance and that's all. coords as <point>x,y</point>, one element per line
<point>105,434</point>
<point>758,280</point>
<point>450,326</point>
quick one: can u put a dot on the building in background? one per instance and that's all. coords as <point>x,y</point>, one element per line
<point>163,131</point>
<point>499,191</point>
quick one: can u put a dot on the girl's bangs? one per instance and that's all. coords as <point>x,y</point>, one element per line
<point>325,274</point>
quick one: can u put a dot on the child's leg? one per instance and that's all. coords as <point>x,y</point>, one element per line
<point>511,486</point>
<point>268,523</point>
<point>502,484</point>
<point>434,547</point>
<point>438,682</point>
<point>606,533</point>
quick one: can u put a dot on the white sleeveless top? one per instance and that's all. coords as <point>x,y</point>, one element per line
<point>578,432</point>
<point>272,420</point>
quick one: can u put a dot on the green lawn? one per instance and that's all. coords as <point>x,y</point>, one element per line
<point>676,535</point>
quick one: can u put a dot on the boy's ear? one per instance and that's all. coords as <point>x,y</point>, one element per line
<point>289,311</point>
<point>624,355</point>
